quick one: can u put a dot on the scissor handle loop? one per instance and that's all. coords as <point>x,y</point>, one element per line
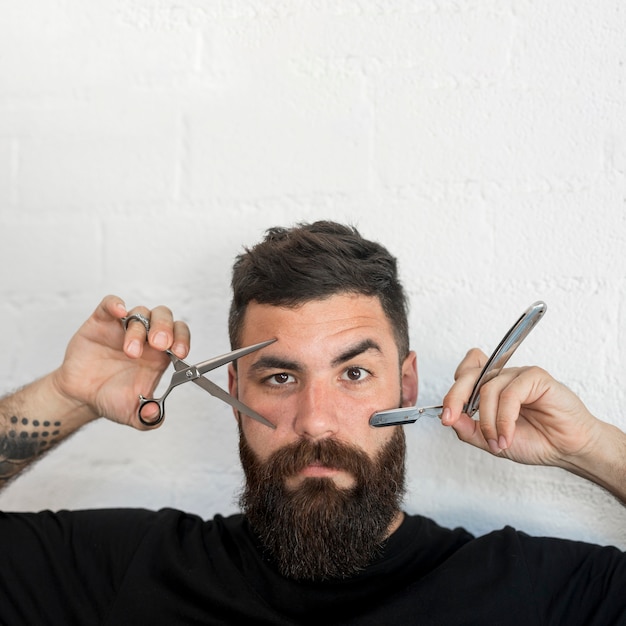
<point>155,421</point>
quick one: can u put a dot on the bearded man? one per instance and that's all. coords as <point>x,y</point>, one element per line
<point>322,537</point>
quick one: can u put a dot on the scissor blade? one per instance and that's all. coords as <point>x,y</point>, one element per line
<point>178,364</point>
<point>212,388</point>
<point>218,392</point>
<point>211,364</point>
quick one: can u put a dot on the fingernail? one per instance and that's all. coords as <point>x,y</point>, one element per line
<point>502,442</point>
<point>445,416</point>
<point>179,350</point>
<point>160,340</point>
<point>493,446</point>
<point>133,348</point>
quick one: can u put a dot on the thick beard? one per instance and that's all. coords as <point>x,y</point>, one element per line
<point>318,531</point>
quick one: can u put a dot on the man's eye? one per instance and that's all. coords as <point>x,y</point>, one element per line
<point>280,379</point>
<point>355,374</point>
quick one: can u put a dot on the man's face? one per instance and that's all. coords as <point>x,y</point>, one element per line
<point>335,362</point>
<point>323,490</point>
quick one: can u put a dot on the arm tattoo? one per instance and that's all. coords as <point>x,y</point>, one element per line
<point>23,441</point>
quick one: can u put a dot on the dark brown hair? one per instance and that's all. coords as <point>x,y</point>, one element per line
<point>291,266</point>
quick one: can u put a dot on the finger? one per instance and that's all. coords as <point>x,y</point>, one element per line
<point>135,336</point>
<point>182,339</point>
<point>161,332</point>
<point>468,430</point>
<point>465,377</point>
<point>525,388</point>
<point>110,307</point>
<point>474,358</point>
<point>166,333</point>
<point>497,426</point>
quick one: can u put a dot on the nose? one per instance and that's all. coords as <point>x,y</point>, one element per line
<point>316,414</point>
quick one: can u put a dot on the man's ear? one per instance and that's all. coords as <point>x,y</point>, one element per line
<point>409,380</point>
<point>232,386</point>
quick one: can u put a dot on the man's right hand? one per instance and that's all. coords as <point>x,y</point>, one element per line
<point>106,367</point>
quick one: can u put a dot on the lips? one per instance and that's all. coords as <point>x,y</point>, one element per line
<point>318,469</point>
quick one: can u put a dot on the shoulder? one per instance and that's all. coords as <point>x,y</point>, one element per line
<point>128,524</point>
<point>420,539</point>
<point>429,531</point>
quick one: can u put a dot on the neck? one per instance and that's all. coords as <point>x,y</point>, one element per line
<point>395,524</point>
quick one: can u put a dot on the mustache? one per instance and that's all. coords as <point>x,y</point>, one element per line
<point>293,458</point>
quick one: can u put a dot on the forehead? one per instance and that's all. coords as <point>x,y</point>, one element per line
<point>339,318</point>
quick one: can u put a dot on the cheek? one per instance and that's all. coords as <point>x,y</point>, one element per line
<point>279,409</point>
<point>253,438</point>
<point>264,441</point>
<point>357,430</point>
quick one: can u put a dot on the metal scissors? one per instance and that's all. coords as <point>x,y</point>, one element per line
<point>185,373</point>
<point>510,342</point>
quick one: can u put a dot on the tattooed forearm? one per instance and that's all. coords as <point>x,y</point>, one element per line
<point>23,441</point>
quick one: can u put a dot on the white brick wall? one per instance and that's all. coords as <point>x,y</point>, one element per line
<point>143,143</point>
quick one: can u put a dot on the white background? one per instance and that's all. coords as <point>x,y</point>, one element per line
<point>143,143</point>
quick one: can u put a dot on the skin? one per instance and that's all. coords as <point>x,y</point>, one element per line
<point>525,414</point>
<point>334,363</point>
<point>104,371</point>
<point>99,377</point>
<point>528,417</point>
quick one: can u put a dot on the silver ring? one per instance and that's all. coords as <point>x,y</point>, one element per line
<point>136,316</point>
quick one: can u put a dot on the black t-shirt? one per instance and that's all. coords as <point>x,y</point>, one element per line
<point>118,567</point>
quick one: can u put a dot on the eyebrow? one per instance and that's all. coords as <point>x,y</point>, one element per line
<point>279,363</point>
<point>356,350</point>
<point>266,362</point>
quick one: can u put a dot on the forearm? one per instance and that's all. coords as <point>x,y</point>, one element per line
<point>32,421</point>
<point>605,461</point>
